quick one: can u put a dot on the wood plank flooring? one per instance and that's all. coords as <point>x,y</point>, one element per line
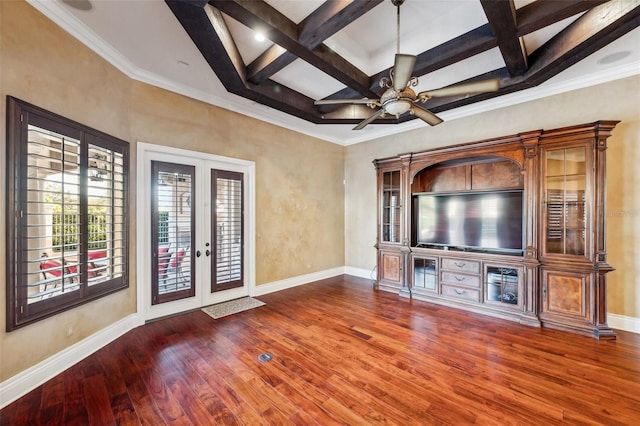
<point>343,353</point>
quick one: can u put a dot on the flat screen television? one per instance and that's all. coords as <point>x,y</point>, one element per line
<point>490,221</point>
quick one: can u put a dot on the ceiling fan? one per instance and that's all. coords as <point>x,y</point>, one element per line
<point>400,98</point>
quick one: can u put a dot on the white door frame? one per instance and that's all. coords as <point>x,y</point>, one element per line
<point>145,154</point>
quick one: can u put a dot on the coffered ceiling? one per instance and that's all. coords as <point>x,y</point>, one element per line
<point>315,49</point>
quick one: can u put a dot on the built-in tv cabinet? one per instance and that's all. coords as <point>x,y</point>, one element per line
<point>556,278</point>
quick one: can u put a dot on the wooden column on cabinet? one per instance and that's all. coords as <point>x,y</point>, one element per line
<point>406,219</point>
<point>602,329</point>
<point>531,263</point>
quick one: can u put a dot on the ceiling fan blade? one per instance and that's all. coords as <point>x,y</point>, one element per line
<point>368,120</point>
<point>402,70</point>
<point>426,115</point>
<point>343,101</point>
<point>463,89</point>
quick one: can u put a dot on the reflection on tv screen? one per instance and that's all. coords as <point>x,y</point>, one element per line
<point>479,220</point>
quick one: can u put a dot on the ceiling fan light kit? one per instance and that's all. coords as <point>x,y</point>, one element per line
<point>399,98</point>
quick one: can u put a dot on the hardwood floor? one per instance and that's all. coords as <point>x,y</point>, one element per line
<point>343,354</point>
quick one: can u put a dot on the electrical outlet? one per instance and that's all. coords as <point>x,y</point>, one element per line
<point>69,330</point>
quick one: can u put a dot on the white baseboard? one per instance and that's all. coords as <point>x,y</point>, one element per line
<point>24,382</point>
<point>360,272</point>
<point>625,323</point>
<point>296,281</point>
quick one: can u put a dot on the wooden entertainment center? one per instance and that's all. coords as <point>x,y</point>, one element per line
<point>445,233</point>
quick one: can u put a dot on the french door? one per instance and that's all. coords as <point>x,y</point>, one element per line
<point>195,231</point>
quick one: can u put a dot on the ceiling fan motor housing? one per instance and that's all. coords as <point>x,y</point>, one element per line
<point>397,103</point>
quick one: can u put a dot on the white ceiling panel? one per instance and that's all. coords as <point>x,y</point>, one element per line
<point>370,42</point>
<point>308,80</point>
<point>295,10</point>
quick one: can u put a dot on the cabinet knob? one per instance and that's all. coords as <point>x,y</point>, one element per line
<point>460,264</point>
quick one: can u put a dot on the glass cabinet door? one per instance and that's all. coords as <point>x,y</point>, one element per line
<point>502,284</point>
<point>425,274</point>
<point>565,203</point>
<point>391,206</point>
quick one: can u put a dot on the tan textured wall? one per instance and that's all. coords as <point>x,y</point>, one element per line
<point>299,189</point>
<point>42,65</point>
<point>618,100</point>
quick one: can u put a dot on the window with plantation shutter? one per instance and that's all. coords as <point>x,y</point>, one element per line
<point>67,191</point>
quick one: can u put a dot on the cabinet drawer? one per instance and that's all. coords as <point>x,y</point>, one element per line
<point>461,292</point>
<point>461,279</point>
<point>462,265</point>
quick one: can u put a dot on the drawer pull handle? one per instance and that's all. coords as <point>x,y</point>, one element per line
<point>460,264</point>
<point>459,279</point>
<point>460,292</point>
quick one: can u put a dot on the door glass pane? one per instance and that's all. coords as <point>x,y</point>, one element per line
<point>173,221</point>
<point>228,229</point>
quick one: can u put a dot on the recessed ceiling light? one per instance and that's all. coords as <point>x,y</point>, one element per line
<point>84,5</point>
<point>259,37</point>
<point>614,57</point>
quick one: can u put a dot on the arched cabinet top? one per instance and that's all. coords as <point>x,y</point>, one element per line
<point>425,167</point>
<point>482,173</point>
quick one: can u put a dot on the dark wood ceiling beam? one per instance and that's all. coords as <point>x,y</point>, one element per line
<point>211,36</point>
<point>469,44</point>
<point>324,22</point>
<point>534,16</point>
<point>588,34</point>
<point>540,14</point>
<point>502,19</point>
<point>206,27</point>
<point>282,98</point>
<point>353,114</point>
<point>258,15</point>
<point>460,48</point>
<point>331,17</point>
<point>268,63</point>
